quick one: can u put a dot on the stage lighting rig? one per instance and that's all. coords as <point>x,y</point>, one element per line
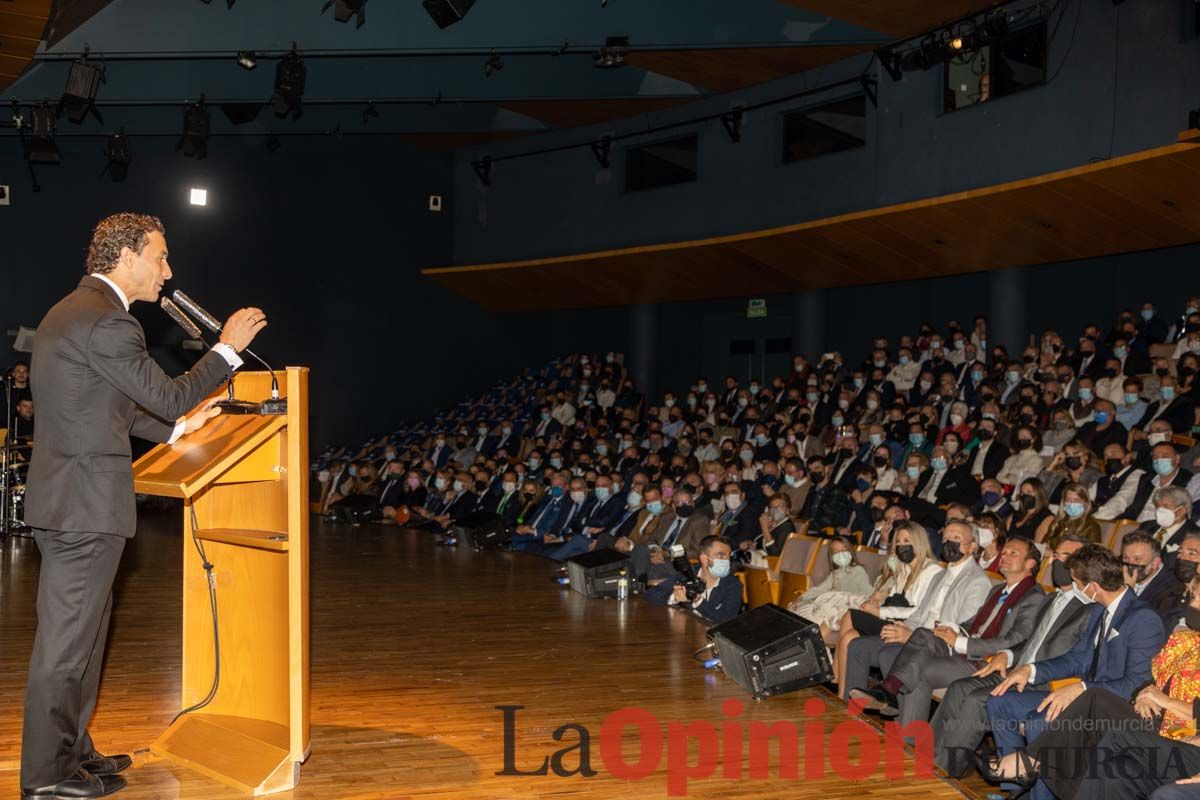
<point>194,140</point>
<point>290,77</point>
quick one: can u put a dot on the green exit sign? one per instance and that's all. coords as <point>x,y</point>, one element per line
<point>756,309</point>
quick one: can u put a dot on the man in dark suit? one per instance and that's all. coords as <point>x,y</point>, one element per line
<point>721,599</point>
<point>95,385</point>
<point>1145,572</point>
<point>961,721</point>
<point>1122,637</point>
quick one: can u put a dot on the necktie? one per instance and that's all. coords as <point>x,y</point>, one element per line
<point>1091,674</point>
<point>999,605</point>
<point>570,514</point>
<point>671,534</point>
<point>503,503</point>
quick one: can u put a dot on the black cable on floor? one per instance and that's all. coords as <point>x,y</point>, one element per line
<point>212,599</point>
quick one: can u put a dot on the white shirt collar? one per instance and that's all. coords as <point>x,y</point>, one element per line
<point>120,294</point>
<point>953,569</point>
<point>1111,608</point>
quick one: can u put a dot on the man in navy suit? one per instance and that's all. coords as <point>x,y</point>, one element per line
<point>531,537</point>
<point>721,599</point>
<point>1114,653</point>
<point>598,517</point>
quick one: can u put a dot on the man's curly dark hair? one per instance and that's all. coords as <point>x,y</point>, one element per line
<point>112,233</point>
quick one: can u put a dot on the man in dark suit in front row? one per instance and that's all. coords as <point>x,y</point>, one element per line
<point>95,384</point>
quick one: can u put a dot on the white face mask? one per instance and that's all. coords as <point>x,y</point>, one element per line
<point>842,559</point>
<point>1081,594</point>
<point>1165,517</point>
<point>1156,438</point>
<point>509,487</point>
<point>986,537</point>
<point>733,502</point>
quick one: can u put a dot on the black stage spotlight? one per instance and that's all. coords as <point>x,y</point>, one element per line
<point>116,151</point>
<point>40,147</point>
<point>492,65</point>
<point>273,143</point>
<point>370,112</point>
<point>228,3</point>
<point>83,81</point>
<point>290,77</point>
<point>612,54</point>
<point>247,60</point>
<point>343,10</point>
<point>447,12</point>
<point>194,141</point>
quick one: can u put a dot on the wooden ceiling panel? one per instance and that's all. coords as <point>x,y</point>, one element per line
<point>726,70</point>
<point>21,26</point>
<point>899,18</point>
<point>1142,201</point>
<point>574,113</point>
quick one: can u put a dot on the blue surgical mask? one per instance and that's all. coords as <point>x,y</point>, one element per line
<point>1073,510</point>
<point>838,420</point>
<point>858,383</point>
<point>1013,377</point>
<point>603,493</point>
<point>556,491</point>
<point>812,397</point>
<point>792,480</point>
<point>719,567</point>
<point>633,499</point>
<point>1085,394</point>
<point>1130,399</point>
<point>939,463</point>
<point>654,507</point>
<point>904,361</point>
<point>1147,314</point>
<point>1100,417</point>
<point>761,439</point>
<point>913,472</point>
<point>1119,352</point>
<point>1163,466</point>
<point>991,498</point>
<point>977,376</point>
<point>1168,393</point>
<point>876,439</point>
<point>863,484</point>
<point>917,439</point>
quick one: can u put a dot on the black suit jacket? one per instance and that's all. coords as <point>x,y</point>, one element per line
<point>1180,412</point>
<point>95,385</point>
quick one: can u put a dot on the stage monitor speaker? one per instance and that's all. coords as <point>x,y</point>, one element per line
<point>481,530</point>
<point>447,12</point>
<point>597,573</point>
<point>769,651</point>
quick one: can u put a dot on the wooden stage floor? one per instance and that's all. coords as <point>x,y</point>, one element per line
<point>413,647</point>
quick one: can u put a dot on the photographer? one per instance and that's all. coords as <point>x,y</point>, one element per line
<point>714,593</point>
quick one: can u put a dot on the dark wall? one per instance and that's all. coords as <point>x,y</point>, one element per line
<point>326,238</point>
<point>1122,79</point>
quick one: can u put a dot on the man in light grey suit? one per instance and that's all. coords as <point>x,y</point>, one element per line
<point>955,594</point>
<point>961,719</point>
<point>934,659</point>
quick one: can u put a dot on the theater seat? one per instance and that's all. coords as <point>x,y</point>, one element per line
<point>760,589</point>
<point>1117,535</point>
<point>796,564</point>
<point>871,560</point>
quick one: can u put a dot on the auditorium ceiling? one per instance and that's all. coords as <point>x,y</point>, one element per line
<point>1142,201</point>
<point>429,85</point>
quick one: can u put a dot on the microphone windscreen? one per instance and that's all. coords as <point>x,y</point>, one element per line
<point>180,318</point>
<point>193,308</point>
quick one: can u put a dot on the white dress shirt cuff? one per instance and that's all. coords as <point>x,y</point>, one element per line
<point>1009,658</point>
<point>175,434</point>
<point>1032,673</point>
<point>960,645</point>
<point>229,354</point>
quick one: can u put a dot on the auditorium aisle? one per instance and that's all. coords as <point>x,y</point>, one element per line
<point>413,647</point>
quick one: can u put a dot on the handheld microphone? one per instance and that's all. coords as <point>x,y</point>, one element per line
<point>211,322</point>
<point>181,320</point>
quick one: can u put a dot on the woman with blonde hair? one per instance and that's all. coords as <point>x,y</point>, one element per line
<point>902,585</point>
<point>1074,516</point>
<point>1073,464</point>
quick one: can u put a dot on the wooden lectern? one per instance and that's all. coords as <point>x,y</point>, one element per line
<point>244,484</point>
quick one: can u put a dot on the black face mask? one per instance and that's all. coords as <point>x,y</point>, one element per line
<point>876,514</point>
<point>951,552</point>
<point>881,461</point>
<point>985,435</point>
<point>1185,570</point>
<point>1191,617</point>
<point>1027,359</point>
<point>1185,371</point>
<point>1110,372</point>
<point>906,553</point>
<point>683,512</point>
<point>1162,372</point>
<point>1074,462</point>
<point>1114,465</point>
<point>1059,574</point>
<point>1027,418</point>
<point>1024,444</point>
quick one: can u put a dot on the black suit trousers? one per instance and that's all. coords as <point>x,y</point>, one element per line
<point>74,604</point>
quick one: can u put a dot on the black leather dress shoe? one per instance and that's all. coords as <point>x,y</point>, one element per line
<point>106,765</point>
<point>82,784</point>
